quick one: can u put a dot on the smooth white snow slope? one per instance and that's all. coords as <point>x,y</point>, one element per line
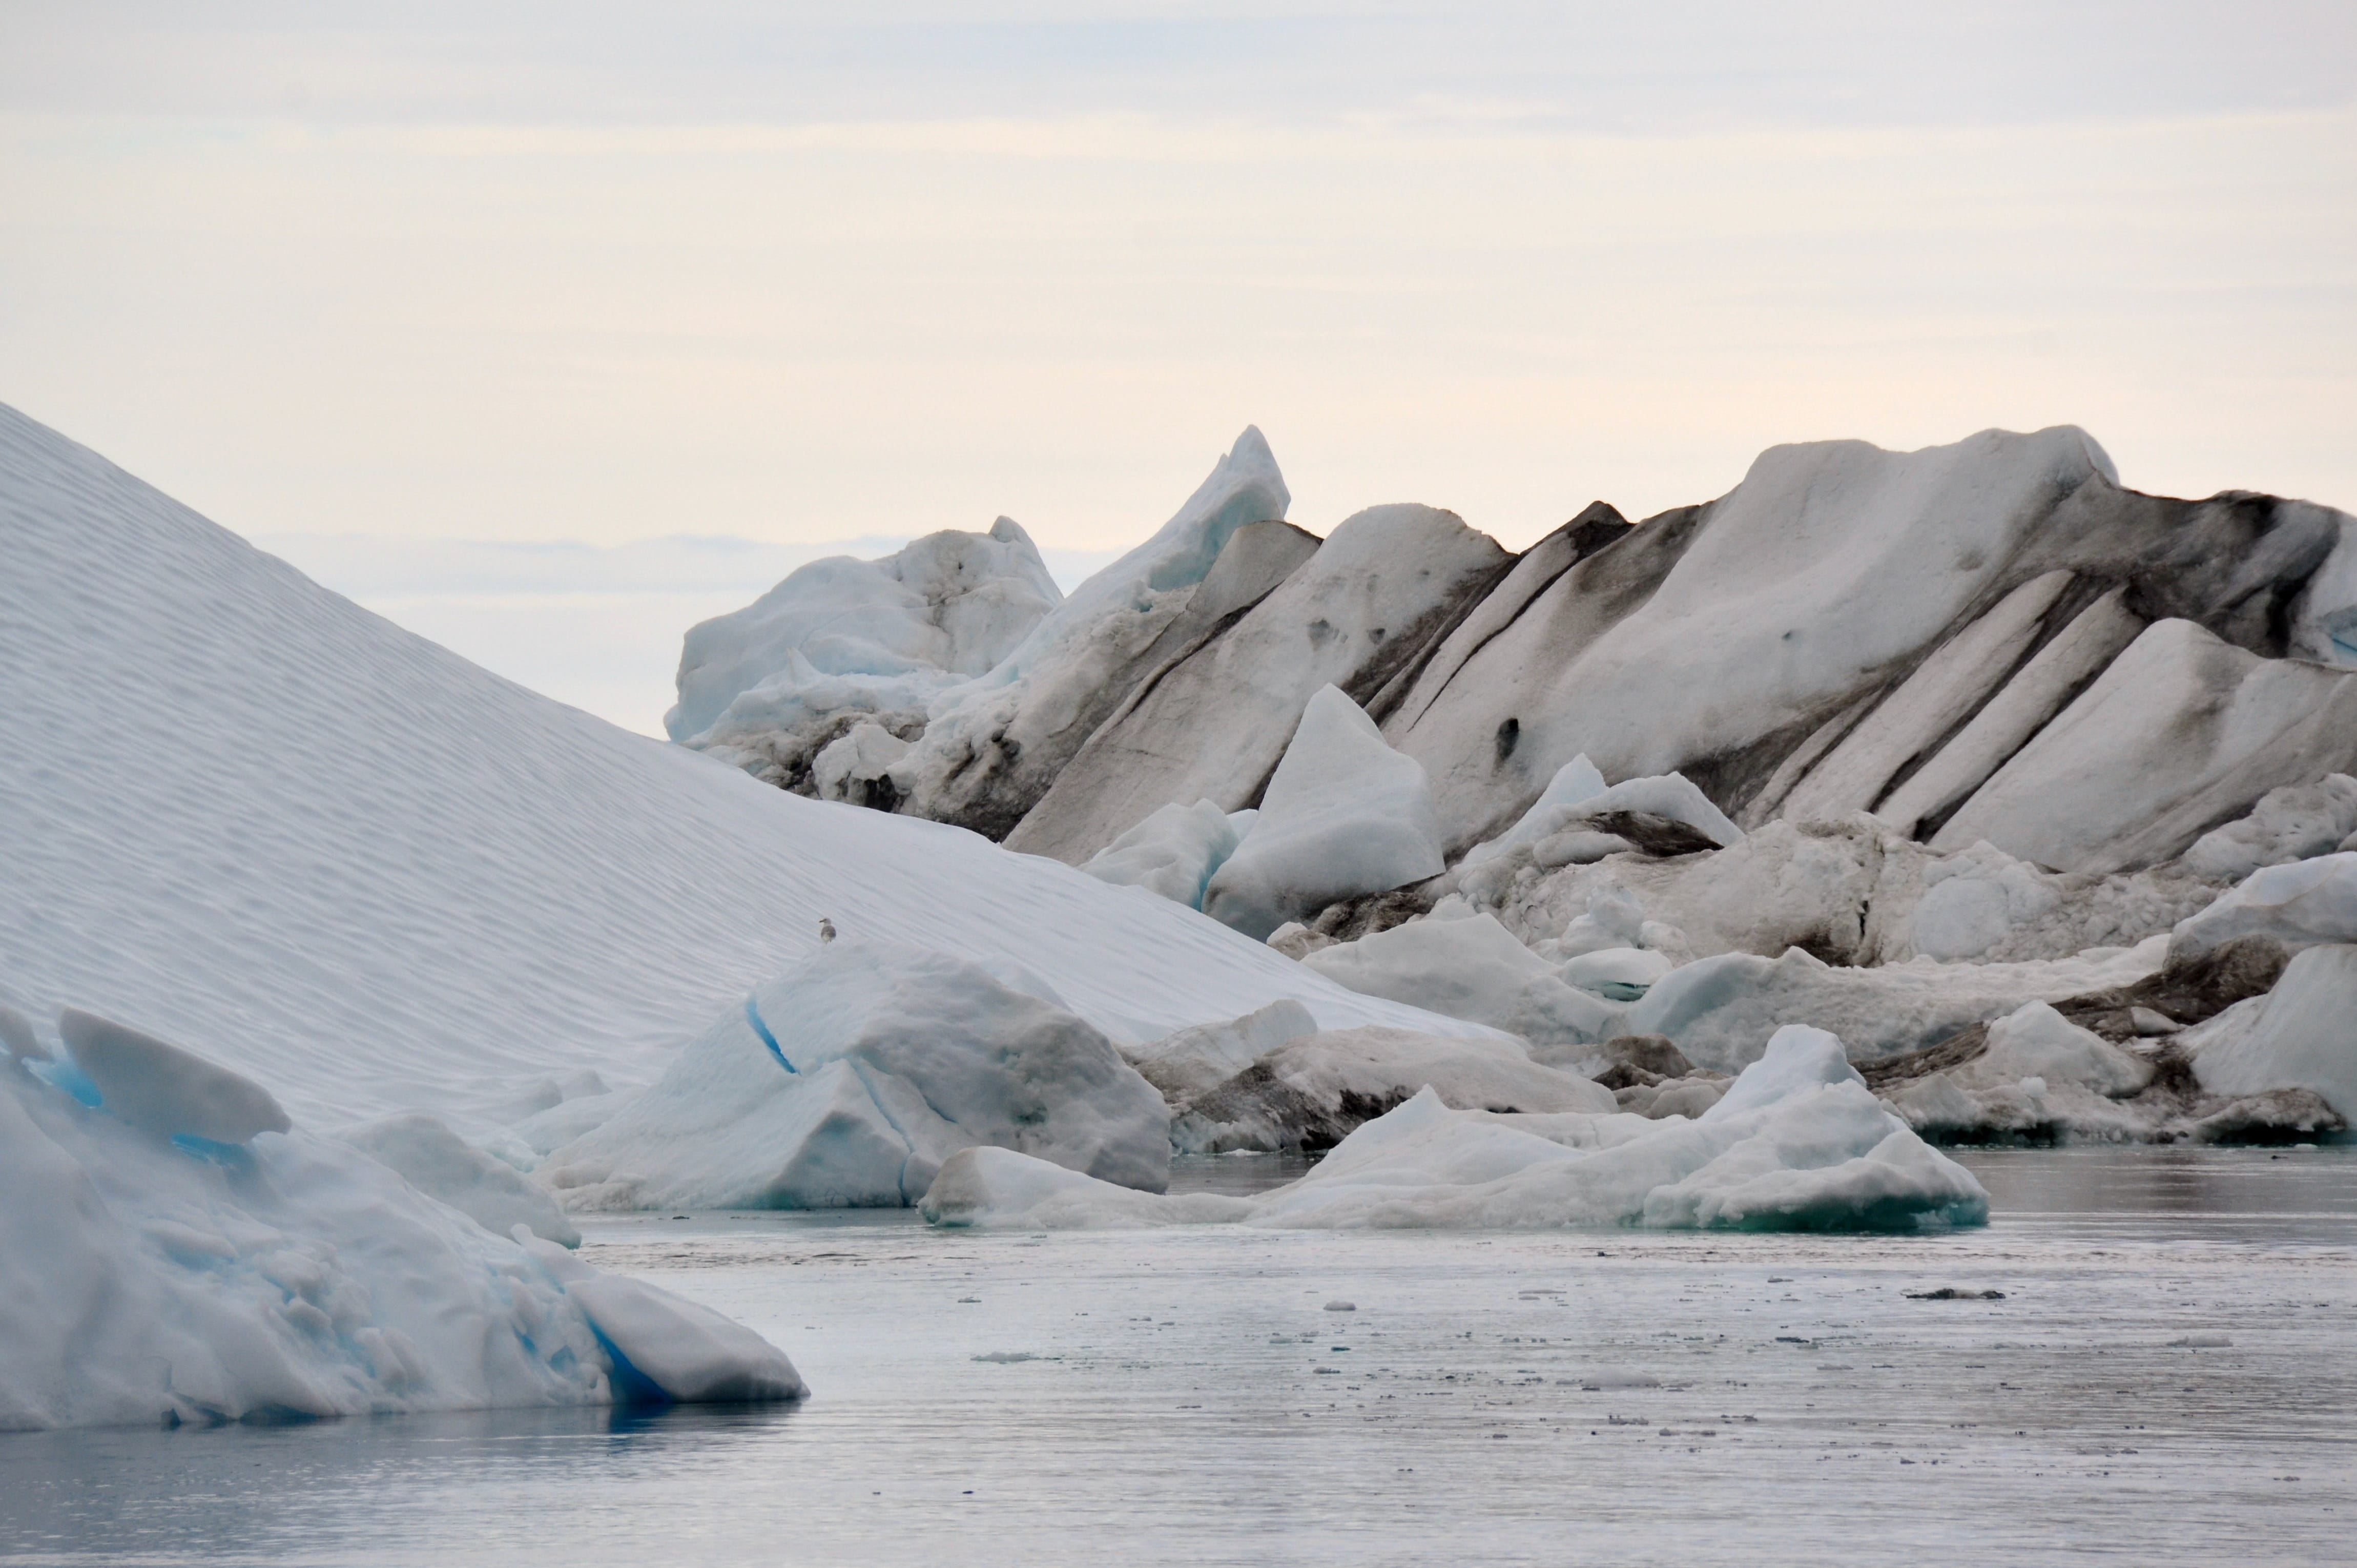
<point>244,812</point>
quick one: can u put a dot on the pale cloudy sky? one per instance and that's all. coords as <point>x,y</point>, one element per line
<point>548,329</point>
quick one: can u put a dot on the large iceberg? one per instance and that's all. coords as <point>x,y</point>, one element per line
<point>848,1078</point>
<point>1799,1143</point>
<point>381,879</point>
<point>154,1272</point>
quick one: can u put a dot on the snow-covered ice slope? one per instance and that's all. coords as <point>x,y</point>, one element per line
<point>240,811</point>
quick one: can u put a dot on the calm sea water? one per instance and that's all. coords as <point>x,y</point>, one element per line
<point>2169,1377</point>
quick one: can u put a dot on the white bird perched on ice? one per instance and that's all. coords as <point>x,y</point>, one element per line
<point>826,931</point>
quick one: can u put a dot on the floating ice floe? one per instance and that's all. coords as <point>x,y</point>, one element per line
<point>1798,1143</point>
<point>1343,814</point>
<point>847,1080</point>
<point>248,1270</point>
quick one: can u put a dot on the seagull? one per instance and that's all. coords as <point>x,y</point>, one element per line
<point>826,931</point>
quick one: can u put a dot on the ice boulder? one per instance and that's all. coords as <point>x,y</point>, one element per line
<point>2302,1035</point>
<point>847,1080</point>
<point>1173,851</point>
<point>1471,967</point>
<point>1311,1091</point>
<point>2035,1041</point>
<point>1721,1011</point>
<point>947,606</point>
<point>1575,784</point>
<point>440,1164</point>
<point>292,1276</point>
<point>2295,823</point>
<point>1343,814</point>
<point>2300,905</point>
<point>164,1089</point>
<point>1805,1146</point>
<point>1617,974</point>
<point>1186,1062</point>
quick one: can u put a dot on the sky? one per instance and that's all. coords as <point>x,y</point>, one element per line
<point>549,329</point>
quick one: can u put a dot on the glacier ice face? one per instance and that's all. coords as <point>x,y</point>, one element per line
<point>293,1276</point>
<point>846,1080</point>
<point>1804,1146</point>
<point>1704,632</point>
<point>1367,604</point>
<point>1343,814</point>
<point>2180,729</point>
<point>994,744</point>
<point>949,604</point>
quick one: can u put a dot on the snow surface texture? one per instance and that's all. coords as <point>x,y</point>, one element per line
<point>941,609</point>
<point>2298,905</point>
<point>1798,1143</point>
<point>1214,726</point>
<point>1343,814</point>
<point>2302,1035</point>
<point>994,744</point>
<point>378,879</point>
<point>847,1080</point>
<point>154,1276</point>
